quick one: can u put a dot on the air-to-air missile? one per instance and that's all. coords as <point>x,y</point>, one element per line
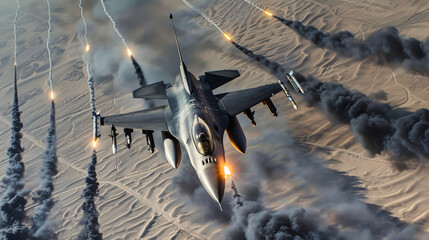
<point>288,95</point>
<point>295,84</point>
<point>113,135</point>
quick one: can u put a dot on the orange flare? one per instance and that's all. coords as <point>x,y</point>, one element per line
<point>227,37</point>
<point>268,13</point>
<point>129,52</point>
<point>94,143</point>
<point>227,172</point>
<point>87,48</point>
<point>52,95</point>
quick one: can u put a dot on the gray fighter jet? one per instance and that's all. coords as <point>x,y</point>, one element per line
<point>196,119</point>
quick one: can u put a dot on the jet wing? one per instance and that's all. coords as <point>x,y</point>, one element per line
<point>148,119</point>
<point>238,101</point>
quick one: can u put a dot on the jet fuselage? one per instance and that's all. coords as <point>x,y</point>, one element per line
<point>197,121</point>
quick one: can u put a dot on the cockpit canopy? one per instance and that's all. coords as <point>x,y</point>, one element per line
<point>202,136</point>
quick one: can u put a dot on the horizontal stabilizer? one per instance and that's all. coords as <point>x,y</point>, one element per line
<point>219,78</point>
<point>152,91</point>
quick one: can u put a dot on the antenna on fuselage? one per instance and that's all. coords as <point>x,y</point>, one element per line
<point>183,70</point>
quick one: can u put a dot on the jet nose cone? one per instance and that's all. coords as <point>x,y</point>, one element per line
<point>214,182</point>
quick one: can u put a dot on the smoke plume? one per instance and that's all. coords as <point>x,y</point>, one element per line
<point>337,204</point>
<point>88,65</point>
<point>43,195</point>
<point>275,68</point>
<point>376,125</point>
<point>48,42</point>
<point>12,203</point>
<point>385,44</point>
<point>115,26</point>
<point>235,194</point>
<point>91,228</point>
<point>139,72</point>
<point>14,30</point>
<point>189,185</point>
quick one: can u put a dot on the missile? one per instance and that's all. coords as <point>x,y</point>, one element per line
<point>271,106</point>
<point>149,140</point>
<point>128,137</point>
<point>113,135</point>
<point>295,84</point>
<point>96,126</point>
<point>250,115</point>
<point>289,97</point>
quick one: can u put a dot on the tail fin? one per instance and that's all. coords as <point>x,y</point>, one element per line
<point>183,70</point>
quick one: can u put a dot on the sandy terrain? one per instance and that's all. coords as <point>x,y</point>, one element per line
<point>137,198</point>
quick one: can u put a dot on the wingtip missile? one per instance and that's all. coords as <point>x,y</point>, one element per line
<point>295,84</point>
<point>96,125</point>
<point>289,97</point>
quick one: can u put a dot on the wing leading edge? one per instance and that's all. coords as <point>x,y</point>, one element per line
<point>239,101</point>
<point>148,119</point>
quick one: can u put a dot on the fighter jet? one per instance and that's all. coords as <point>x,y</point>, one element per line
<point>197,119</point>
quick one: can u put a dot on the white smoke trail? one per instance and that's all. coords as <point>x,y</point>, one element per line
<point>48,42</point>
<point>84,25</point>
<point>88,66</point>
<point>14,30</point>
<point>113,23</point>
<point>203,15</point>
<point>254,5</point>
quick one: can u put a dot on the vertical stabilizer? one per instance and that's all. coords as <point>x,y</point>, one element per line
<point>183,70</point>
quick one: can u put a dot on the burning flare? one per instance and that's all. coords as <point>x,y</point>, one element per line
<point>268,13</point>
<point>129,52</point>
<point>227,172</point>
<point>227,37</point>
<point>94,143</point>
<point>52,95</point>
<point>87,48</point>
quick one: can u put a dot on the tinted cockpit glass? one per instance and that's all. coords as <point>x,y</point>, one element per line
<point>202,136</point>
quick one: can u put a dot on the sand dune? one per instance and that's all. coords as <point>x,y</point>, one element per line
<point>137,199</point>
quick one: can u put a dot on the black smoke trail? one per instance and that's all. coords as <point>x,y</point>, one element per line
<point>43,195</point>
<point>385,44</point>
<point>139,72</point>
<point>275,68</point>
<point>337,204</point>
<point>91,228</point>
<point>253,221</point>
<point>12,203</point>
<point>236,195</point>
<point>375,124</point>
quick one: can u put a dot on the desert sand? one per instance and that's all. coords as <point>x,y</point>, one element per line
<point>137,197</point>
